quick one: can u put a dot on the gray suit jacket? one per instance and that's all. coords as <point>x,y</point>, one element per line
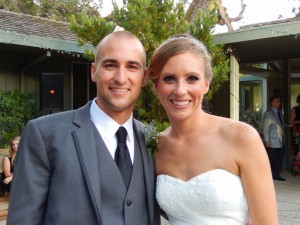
<point>273,130</point>
<point>56,177</point>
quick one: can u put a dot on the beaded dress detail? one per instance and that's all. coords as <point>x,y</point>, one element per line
<point>215,197</point>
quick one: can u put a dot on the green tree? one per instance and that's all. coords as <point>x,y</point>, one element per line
<point>62,10</point>
<point>16,109</point>
<point>19,6</point>
<point>90,30</point>
<point>52,9</point>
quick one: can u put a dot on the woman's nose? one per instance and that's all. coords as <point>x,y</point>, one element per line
<point>180,89</point>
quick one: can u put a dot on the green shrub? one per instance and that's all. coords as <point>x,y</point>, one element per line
<point>16,109</point>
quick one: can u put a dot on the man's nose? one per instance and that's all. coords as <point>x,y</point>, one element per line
<point>121,75</point>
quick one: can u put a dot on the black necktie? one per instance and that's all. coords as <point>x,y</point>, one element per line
<point>122,157</point>
<point>279,117</point>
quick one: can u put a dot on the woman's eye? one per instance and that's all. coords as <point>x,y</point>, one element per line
<point>169,79</point>
<point>192,78</point>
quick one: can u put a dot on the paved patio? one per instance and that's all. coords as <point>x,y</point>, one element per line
<point>288,199</point>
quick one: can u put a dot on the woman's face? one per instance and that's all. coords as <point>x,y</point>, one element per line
<point>182,85</point>
<point>14,145</point>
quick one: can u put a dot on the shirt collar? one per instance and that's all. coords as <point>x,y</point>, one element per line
<point>107,125</point>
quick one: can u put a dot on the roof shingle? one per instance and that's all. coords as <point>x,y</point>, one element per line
<point>35,26</point>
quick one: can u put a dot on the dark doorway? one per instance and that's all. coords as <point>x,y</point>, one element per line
<point>83,88</point>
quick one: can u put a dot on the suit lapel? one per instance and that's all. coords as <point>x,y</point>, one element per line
<point>85,143</point>
<point>148,167</point>
<point>276,117</point>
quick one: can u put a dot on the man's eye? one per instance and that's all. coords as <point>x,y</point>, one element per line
<point>109,65</point>
<point>192,78</point>
<point>169,79</point>
<point>132,67</point>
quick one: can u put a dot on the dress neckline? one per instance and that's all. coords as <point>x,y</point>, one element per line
<point>197,176</point>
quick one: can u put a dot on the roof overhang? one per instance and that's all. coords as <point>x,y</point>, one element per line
<point>42,42</point>
<point>263,42</point>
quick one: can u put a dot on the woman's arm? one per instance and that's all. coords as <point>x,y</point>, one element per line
<point>293,116</point>
<point>257,178</point>
<point>6,166</point>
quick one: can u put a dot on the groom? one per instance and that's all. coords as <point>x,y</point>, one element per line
<point>65,173</point>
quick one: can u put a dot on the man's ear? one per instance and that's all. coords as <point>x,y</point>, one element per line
<point>145,78</point>
<point>93,72</point>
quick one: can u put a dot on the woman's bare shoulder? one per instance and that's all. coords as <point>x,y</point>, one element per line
<point>234,127</point>
<point>236,133</point>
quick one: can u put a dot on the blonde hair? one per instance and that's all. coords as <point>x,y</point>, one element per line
<point>12,153</point>
<point>176,45</point>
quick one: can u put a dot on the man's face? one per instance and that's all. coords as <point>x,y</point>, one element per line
<point>119,75</point>
<point>276,103</point>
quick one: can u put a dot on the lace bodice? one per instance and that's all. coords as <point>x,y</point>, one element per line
<point>215,197</point>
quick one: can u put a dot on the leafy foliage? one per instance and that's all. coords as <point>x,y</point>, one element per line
<point>90,29</point>
<point>250,117</point>
<point>52,9</point>
<point>16,109</point>
<point>152,134</point>
<point>61,10</point>
<point>20,6</point>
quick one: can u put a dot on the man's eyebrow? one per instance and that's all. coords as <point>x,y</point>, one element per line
<point>109,60</point>
<point>131,62</point>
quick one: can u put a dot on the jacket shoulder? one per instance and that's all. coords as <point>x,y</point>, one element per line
<point>139,124</point>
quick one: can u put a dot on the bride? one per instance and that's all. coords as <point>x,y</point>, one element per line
<point>210,170</point>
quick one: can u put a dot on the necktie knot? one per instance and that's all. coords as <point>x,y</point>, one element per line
<point>121,135</point>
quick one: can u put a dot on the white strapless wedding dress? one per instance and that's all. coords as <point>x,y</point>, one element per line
<point>215,197</point>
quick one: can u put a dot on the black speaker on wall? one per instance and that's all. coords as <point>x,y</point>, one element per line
<point>51,91</point>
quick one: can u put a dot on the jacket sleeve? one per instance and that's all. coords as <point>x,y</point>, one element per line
<point>30,184</point>
<point>266,126</point>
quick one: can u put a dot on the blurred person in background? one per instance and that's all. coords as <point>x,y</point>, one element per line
<point>8,165</point>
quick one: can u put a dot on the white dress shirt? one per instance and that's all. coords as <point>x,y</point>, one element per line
<point>107,128</point>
